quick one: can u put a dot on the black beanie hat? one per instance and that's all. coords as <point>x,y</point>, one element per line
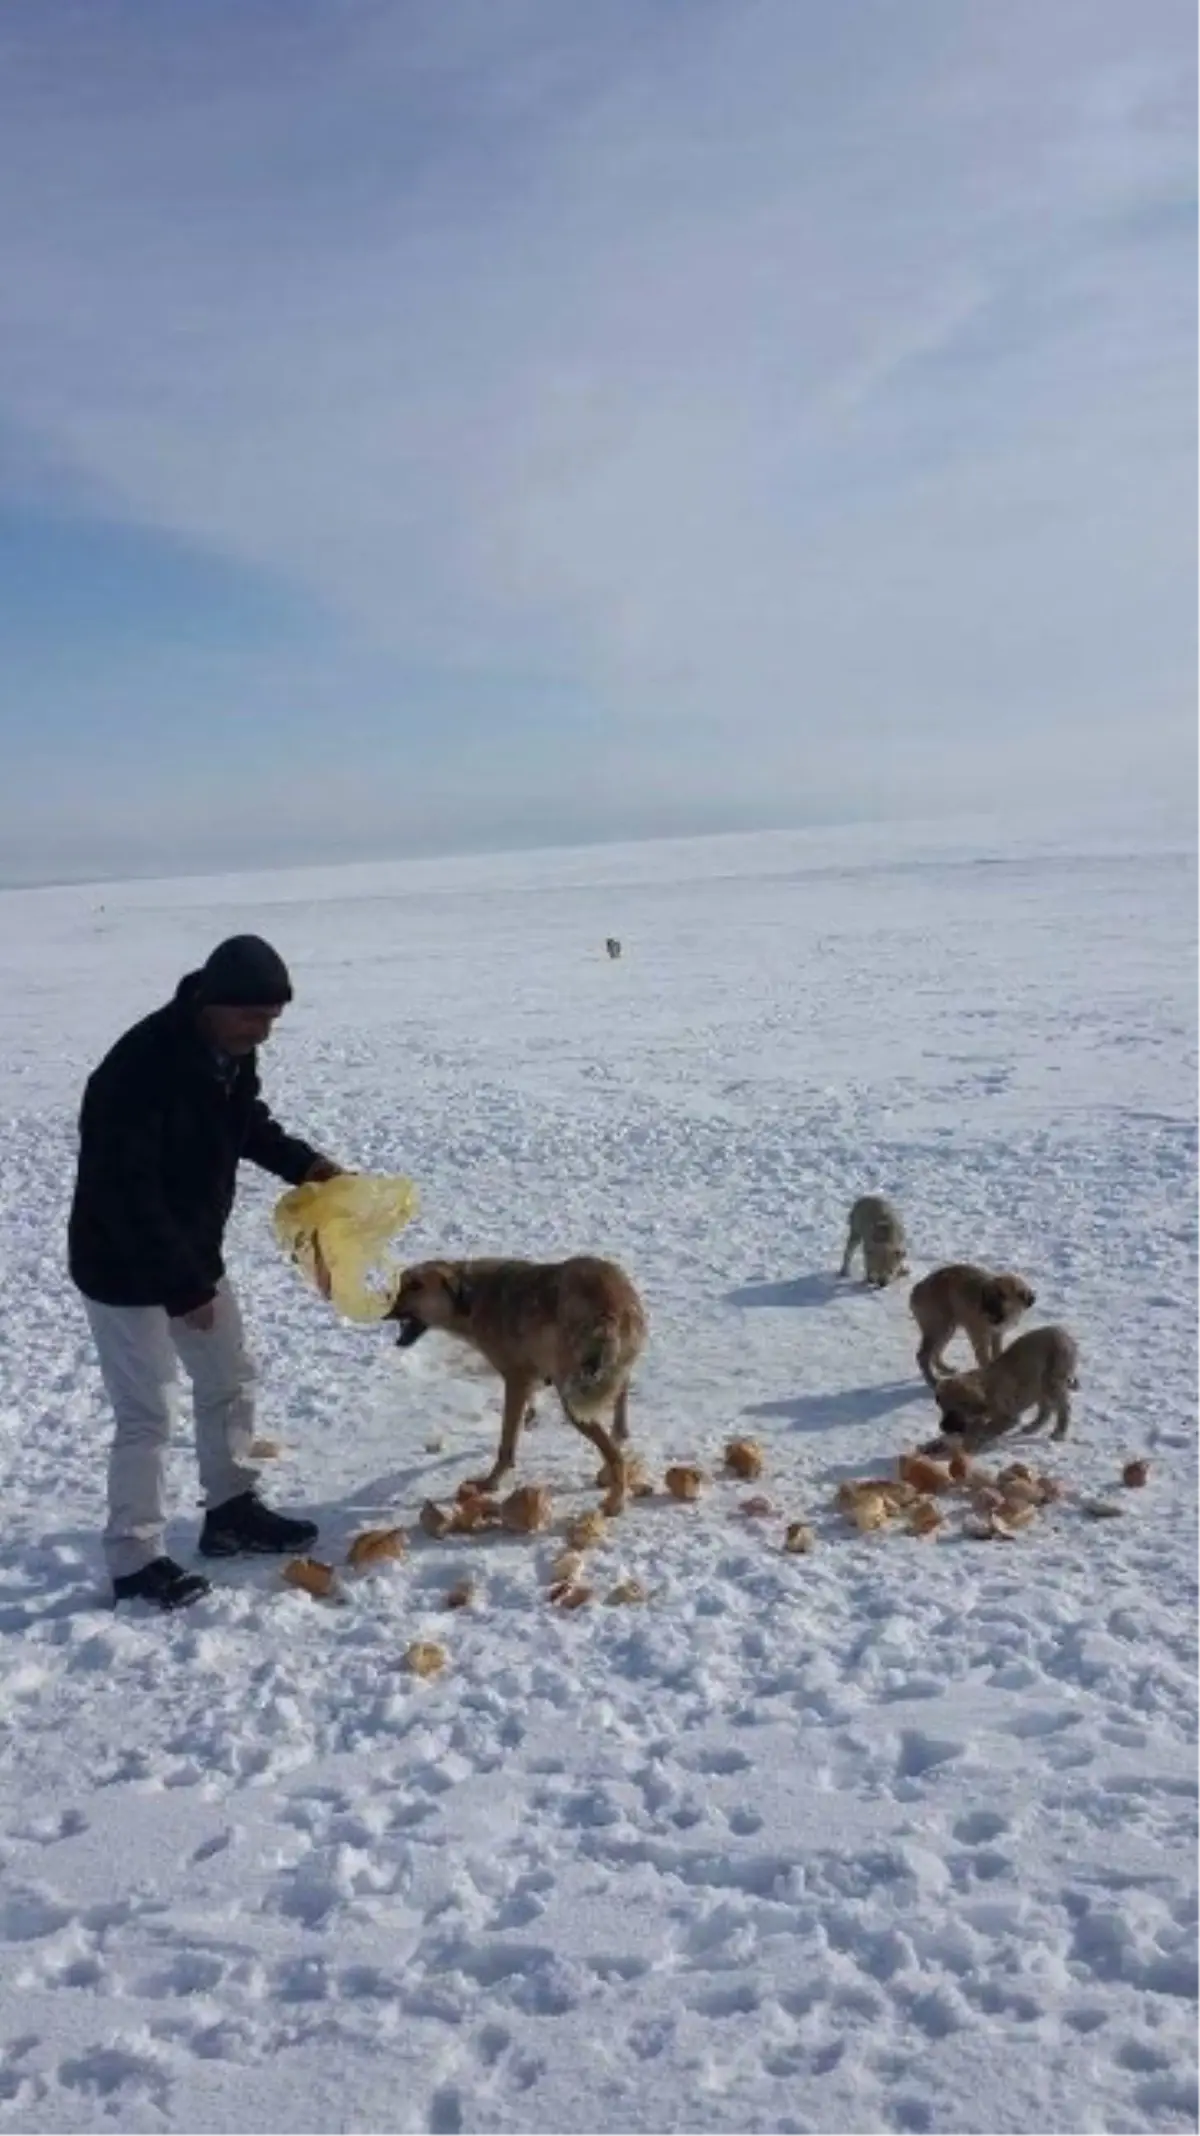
<point>245,973</point>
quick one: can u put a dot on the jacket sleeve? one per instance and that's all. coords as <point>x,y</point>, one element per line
<point>267,1146</point>
<point>139,1209</point>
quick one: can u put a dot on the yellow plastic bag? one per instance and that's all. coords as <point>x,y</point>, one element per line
<point>341,1232</point>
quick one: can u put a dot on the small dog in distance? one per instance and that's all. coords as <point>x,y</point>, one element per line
<point>875,1227</point>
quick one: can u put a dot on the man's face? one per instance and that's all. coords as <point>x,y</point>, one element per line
<point>236,1031</point>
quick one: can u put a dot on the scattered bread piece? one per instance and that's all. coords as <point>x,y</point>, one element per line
<point>798,1539</point>
<point>870,1502</point>
<point>684,1483</point>
<point>1013,1515</point>
<point>641,1484</point>
<point>311,1576</point>
<point>1022,1490</point>
<point>462,1596</point>
<point>872,1510</point>
<point>567,1567</point>
<point>477,1511</point>
<point>637,1482</point>
<point>959,1466</point>
<point>526,1509</point>
<point>375,1545</point>
<point>924,1474</point>
<point>1016,1472</point>
<point>565,1594</point>
<point>1135,1474</point>
<point>424,1658</point>
<point>627,1590</point>
<point>744,1459</point>
<point>853,1487</point>
<point>435,1520</point>
<point>265,1449</point>
<point>586,1530</point>
<point>892,1488</point>
<point>923,1518</point>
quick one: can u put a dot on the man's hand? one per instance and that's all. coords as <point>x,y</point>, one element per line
<point>324,1168</point>
<point>202,1317</point>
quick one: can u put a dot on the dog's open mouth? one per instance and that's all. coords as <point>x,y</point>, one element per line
<point>409,1330</point>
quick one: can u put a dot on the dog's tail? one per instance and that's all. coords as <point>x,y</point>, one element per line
<point>588,1392</point>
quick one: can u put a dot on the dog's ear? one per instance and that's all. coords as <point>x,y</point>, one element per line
<point>457,1288</point>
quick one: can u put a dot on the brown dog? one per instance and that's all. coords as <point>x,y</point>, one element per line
<point>1038,1368</point>
<point>578,1326</point>
<point>962,1296</point>
<point>875,1226</point>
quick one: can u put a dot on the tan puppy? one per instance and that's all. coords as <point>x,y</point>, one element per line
<point>962,1296</point>
<point>1037,1370</point>
<point>876,1228</point>
<point>578,1326</point>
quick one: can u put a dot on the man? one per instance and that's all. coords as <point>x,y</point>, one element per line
<point>166,1117</point>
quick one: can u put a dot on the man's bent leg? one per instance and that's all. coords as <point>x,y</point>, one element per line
<point>137,1366</point>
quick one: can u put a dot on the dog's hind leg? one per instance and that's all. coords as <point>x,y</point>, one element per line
<point>612,1457</point>
<point>1042,1418</point>
<point>516,1400</point>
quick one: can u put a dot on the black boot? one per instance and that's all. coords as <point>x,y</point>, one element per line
<point>245,1527</point>
<point>162,1582</point>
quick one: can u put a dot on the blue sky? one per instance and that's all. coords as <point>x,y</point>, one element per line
<point>515,421</point>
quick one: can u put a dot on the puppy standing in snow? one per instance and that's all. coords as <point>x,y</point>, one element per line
<point>1039,1368</point>
<point>578,1326</point>
<point>876,1227</point>
<point>963,1296</point>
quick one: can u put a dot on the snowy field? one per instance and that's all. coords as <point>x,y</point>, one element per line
<point>898,1836</point>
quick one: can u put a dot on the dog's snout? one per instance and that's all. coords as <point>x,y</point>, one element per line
<point>408,1328</point>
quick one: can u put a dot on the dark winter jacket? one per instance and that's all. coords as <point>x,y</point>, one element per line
<point>163,1125</point>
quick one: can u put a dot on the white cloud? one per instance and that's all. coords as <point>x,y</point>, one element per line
<point>797,389</point>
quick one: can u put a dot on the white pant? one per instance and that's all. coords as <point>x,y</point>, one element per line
<point>137,1347</point>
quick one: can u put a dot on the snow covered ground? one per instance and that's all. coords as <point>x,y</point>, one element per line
<point>897,1836</point>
